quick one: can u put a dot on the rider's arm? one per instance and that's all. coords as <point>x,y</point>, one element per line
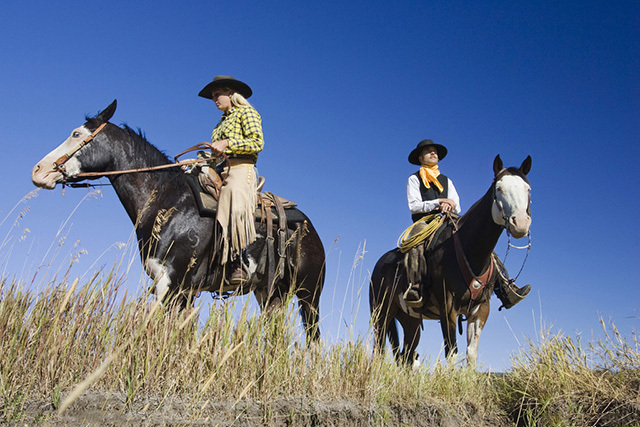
<point>453,195</point>
<point>414,198</point>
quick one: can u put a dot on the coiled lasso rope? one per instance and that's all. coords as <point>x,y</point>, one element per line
<point>406,241</point>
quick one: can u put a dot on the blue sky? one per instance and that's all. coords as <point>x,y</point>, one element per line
<point>346,90</point>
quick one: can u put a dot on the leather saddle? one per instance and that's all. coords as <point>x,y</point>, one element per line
<point>205,183</point>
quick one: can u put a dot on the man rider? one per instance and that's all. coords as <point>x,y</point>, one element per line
<point>429,191</point>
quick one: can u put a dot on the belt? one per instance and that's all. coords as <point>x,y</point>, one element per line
<point>234,161</point>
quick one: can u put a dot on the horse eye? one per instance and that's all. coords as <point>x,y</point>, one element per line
<point>75,134</point>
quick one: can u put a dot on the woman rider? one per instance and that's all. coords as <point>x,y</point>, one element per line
<point>238,134</point>
<point>430,191</point>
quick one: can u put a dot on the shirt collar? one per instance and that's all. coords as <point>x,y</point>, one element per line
<point>228,113</point>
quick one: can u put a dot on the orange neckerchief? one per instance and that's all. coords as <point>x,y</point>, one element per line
<point>430,174</point>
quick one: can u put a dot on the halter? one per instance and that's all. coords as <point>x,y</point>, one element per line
<point>59,164</point>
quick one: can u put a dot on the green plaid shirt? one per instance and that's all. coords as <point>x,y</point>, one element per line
<point>242,126</point>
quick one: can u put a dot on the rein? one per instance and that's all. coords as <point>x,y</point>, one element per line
<point>60,162</point>
<point>148,169</point>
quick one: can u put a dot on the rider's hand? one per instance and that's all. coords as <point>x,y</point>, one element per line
<point>219,146</point>
<point>447,205</point>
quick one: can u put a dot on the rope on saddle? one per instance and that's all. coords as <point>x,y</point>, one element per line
<point>412,237</point>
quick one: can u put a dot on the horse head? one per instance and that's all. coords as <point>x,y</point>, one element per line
<point>64,162</point>
<point>512,197</point>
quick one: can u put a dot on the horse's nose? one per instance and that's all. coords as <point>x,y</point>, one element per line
<point>519,225</point>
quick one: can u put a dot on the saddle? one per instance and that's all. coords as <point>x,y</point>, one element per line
<point>205,183</point>
<point>415,243</point>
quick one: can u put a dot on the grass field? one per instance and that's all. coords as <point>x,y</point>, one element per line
<point>84,339</point>
<point>85,351</point>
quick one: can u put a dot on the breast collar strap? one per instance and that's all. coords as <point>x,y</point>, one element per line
<point>59,164</point>
<point>476,283</point>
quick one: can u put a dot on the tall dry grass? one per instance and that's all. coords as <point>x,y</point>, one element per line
<point>62,337</point>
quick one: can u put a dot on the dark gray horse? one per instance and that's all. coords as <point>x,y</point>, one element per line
<point>176,243</point>
<point>451,272</point>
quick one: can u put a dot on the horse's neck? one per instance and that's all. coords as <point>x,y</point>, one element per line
<point>478,233</point>
<point>137,190</point>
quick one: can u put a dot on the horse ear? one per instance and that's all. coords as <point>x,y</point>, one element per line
<point>525,167</point>
<point>497,165</point>
<point>107,113</point>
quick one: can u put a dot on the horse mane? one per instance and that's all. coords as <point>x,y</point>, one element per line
<point>144,148</point>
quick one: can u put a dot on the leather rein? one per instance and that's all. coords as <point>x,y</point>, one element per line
<point>60,162</point>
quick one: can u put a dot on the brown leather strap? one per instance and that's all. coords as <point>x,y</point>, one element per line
<point>266,203</point>
<point>65,157</point>
<point>200,146</point>
<point>151,168</point>
<point>476,283</point>
<point>282,233</point>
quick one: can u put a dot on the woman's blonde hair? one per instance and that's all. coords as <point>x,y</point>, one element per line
<point>238,100</point>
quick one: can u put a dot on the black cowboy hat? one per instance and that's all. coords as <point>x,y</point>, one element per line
<point>415,154</point>
<point>226,81</point>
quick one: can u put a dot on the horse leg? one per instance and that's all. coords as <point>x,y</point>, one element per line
<point>383,289</point>
<point>309,306</point>
<point>475,324</point>
<point>448,317</point>
<point>411,328</point>
<point>394,340</point>
<point>307,278</point>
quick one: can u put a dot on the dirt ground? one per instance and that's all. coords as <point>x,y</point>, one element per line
<point>102,408</point>
<point>97,408</point>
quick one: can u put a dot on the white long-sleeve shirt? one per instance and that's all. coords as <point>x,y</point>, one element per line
<point>417,205</point>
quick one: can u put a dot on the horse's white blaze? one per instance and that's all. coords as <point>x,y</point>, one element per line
<point>44,174</point>
<point>158,273</point>
<point>473,339</point>
<point>510,207</point>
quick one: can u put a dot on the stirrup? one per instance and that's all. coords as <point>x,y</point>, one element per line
<point>412,303</point>
<point>239,279</point>
<point>511,296</point>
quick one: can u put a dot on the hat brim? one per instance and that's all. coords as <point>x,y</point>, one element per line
<point>236,85</point>
<point>414,156</point>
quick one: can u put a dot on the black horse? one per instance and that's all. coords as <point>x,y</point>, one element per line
<point>454,290</point>
<point>176,243</point>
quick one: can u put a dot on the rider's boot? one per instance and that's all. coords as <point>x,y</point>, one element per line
<point>412,296</point>
<point>509,293</point>
<point>240,274</point>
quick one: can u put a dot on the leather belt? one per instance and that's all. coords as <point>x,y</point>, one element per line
<point>234,161</point>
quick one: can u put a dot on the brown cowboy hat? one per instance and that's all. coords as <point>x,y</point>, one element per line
<point>226,81</point>
<point>415,154</point>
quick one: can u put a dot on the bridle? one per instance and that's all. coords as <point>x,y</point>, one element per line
<point>498,203</point>
<point>506,219</point>
<point>59,164</point>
